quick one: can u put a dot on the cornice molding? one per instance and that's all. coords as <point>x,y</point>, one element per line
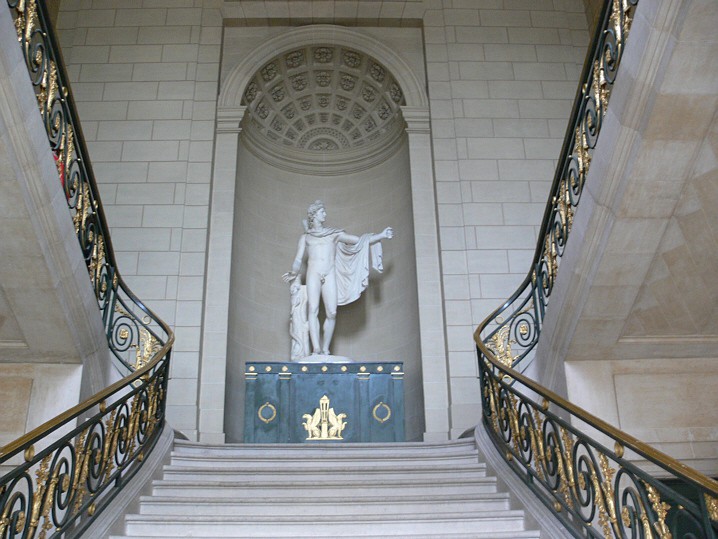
<point>229,120</point>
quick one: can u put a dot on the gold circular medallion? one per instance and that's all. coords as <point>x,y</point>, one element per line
<point>304,369</point>
<point>272,412</point>
<point>386,412</point>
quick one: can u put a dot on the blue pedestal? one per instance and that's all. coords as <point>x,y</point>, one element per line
<point>324,402</point>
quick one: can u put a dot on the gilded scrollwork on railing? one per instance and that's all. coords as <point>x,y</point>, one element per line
<point>57,110</point>
<point>501,345</point>
<point>592,489</point>
<point>129,324</point>
<point>134,339</point>
<point>76,464</point>
<point>526,308</point>
<point>711,506</point>
<point>149,346</point>
<point>57,488</point>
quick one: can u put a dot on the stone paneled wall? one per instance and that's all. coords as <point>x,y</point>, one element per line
<point>593,11</point>
<point>633,312</point>
<point>144,75</point>
<point>502,77</point>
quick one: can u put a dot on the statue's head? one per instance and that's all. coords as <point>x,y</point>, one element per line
<point>314,207</point>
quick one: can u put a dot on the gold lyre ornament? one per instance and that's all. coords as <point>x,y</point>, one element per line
<point>324,424</point>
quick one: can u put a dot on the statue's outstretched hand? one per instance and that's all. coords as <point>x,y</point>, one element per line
<point>289,276</point>
<point>388,233</point>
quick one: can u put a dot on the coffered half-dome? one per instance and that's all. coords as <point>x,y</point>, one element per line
<point>320,100</point>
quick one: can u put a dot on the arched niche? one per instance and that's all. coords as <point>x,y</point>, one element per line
<point>244,183</point>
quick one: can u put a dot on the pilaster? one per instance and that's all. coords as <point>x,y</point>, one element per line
<point>435,373</point>
<point>213,354</point>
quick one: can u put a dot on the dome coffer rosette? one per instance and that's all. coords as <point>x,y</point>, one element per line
<point>323,99</point>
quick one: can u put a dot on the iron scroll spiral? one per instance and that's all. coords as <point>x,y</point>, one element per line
<point>595,491</point>
<point>590,107</point>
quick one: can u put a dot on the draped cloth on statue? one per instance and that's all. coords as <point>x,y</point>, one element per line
<point>352,263</point>
<point>352,266</point>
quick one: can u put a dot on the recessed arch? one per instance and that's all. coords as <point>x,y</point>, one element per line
<point>323,109</point>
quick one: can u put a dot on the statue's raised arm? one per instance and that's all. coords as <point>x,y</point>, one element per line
<point>385,234</point>
<point>337,270</point>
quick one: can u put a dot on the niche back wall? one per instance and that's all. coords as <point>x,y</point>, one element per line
<point>383,325</point>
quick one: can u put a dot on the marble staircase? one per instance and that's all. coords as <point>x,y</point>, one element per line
<point>437,490</point>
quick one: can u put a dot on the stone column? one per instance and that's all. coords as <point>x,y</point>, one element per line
<point>435,374</point>
<point>213,354</point>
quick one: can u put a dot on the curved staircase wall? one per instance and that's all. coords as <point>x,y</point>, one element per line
<point>631,331</point>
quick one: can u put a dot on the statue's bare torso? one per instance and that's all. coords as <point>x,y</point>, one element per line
<point>321,253</point>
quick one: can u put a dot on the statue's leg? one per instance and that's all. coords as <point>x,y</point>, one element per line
<point>329,294</point>
<point>314,289</point>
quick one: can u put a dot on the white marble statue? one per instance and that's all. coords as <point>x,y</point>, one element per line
<point>337,271</point>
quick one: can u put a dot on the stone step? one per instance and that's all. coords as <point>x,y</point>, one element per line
<point>349,472</point>
<point>329,460</point>
<point>309,525</point>
<point>321,488</point>
<point>417,490</point>
<point>423,448</point>
<point>414,535</point>
<point>338,507</point>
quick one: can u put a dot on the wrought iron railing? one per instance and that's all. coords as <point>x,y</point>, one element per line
<point>67,470</point>
<point>591,482</point>
<point>133,331</point>
<point>582,468</point>
<point>74,465</point>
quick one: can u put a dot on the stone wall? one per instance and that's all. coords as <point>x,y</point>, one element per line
<point>501,81</point>
<point>630,334</point>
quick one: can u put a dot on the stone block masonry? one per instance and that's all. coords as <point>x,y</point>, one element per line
<point>144,75</point>
<point>501,81</point>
